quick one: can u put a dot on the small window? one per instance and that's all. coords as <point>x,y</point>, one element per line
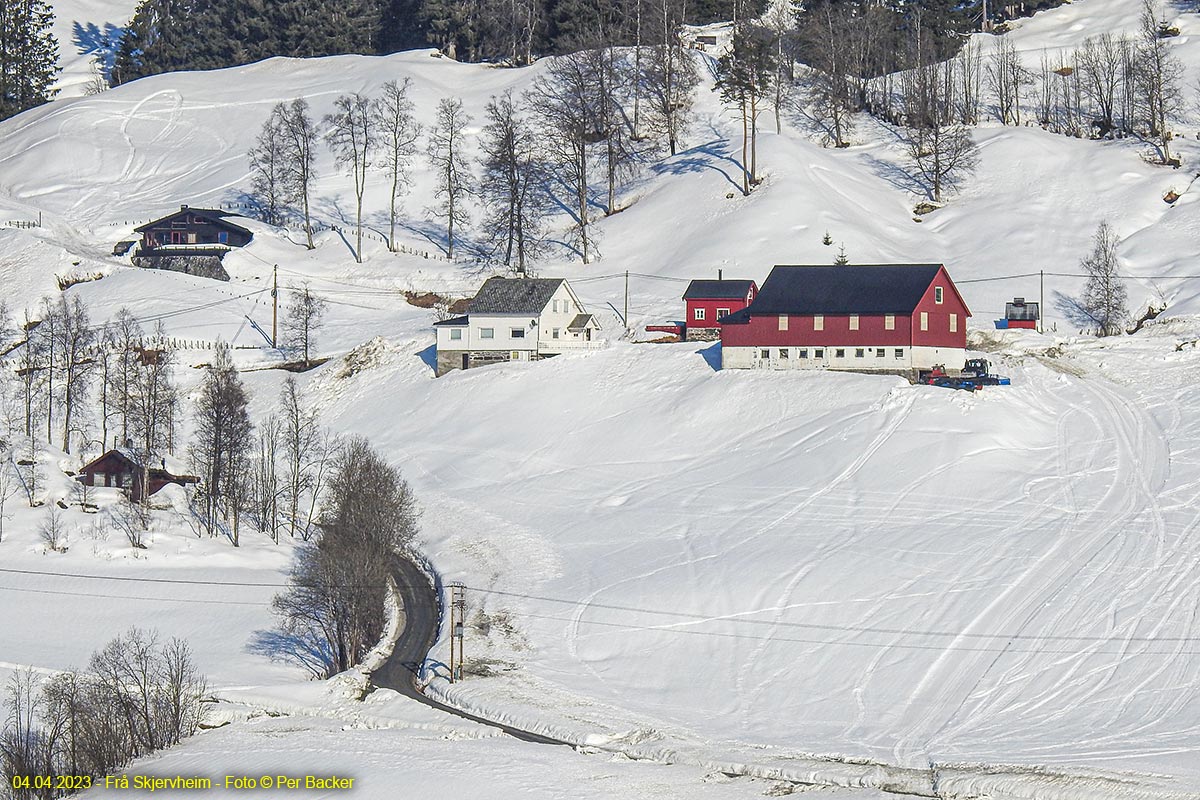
<point>517,333</point>
<point>783,352</point>
<point>802,354</point>
<point>722,312</point>
<point>554,333</point>
<point>899,352</point>
<point>859,352</point>
<point>924,320</point>
<point>954,323</point>
<point>699,313</point>
<point>783,322</point>
<point>487,333</point>
<point>818,323</point>
<point>456,333</point>
<point>819,352</point>
<point>889,322</point>
<point>880,352</point>
<point>937,295</point>
<point>839,353</point>
<point>223,237</point>
<point>765,353</point>
<point>854,322</point>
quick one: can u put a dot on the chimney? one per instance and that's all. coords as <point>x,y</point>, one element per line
<point>719,271</point>
<point>183,208</point>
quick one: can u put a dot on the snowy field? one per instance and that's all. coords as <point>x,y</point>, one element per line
<point>826,575</point>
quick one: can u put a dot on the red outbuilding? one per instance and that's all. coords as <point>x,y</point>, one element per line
<point>708,301</point>
<point>873,318</point>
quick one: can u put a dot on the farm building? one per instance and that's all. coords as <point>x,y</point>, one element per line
<point>515,319</point>
<point>120,468</point>
<point>878,318</point>
<point>705,302</point>
<point>708,301</point>
<point>189,231</point>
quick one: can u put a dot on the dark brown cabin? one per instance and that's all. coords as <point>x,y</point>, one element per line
<point>202,229</point>
<point>117,468</point>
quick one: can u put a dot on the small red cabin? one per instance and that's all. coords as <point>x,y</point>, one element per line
<point>708,301</point>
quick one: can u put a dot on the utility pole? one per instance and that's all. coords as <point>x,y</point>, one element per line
<point>626,320</point>
<point>458,614</point>
<point>1041,299</point>
<point>275,308</point>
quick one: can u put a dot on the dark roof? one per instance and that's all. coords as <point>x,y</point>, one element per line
<point>580,322</point>
<point>1021,310</point>
<point>215,216</point>
<point>127,459</point>
<point>849,289</point>
<point>452,322</point>
<point>514,295</point>
<point>717,290</point>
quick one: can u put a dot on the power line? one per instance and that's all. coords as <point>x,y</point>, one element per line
<point>683,615</point>
<point>132,597</point>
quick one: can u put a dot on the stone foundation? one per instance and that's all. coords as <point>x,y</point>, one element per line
<point>200,266</point>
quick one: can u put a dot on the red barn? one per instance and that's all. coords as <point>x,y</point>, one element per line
<point>708,301</point>
<point>875,318</point>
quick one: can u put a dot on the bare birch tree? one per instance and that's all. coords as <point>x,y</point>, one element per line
<point>452,169</point>
<point>350,133</point>
<point>398,132</point>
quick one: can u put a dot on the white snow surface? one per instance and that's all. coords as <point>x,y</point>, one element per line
<point>828,577</point>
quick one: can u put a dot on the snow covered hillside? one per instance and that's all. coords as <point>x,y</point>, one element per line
<point>827,575</point>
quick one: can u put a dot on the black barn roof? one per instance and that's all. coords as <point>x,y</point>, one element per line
<point>717,290</point>
<point>514,295</point>
<point>215,216</point>
<point>850,289</point>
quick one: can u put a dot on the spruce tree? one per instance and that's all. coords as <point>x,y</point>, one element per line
<point>28,55</point>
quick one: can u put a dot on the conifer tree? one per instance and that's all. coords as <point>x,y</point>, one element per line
<point>28,55</point>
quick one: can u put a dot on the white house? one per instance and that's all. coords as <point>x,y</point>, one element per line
<point>515,319</point>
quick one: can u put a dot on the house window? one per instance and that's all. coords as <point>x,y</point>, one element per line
<point>699,313</point>
<point>839,353</point>
<point>487,333</point>
<point>98,479</point>
<point>722,312</point>
<point>889,322</point>
<point>879,352</point>
<point>554,333</point>
<point>954,323</point>
<point>456,333</point>
<point>783,322</point>
<point>924,320</point>
<point>899,352</point>
<point>517,333</point>
<point>555,304</point>
<point>818,323</point>
<point>803,354</point>
<point>858,352</point>
<point>783,352</point>
<point>937,295</point>
<point>765,353</point>
<point>819,352</point>
<point>854,322</point>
